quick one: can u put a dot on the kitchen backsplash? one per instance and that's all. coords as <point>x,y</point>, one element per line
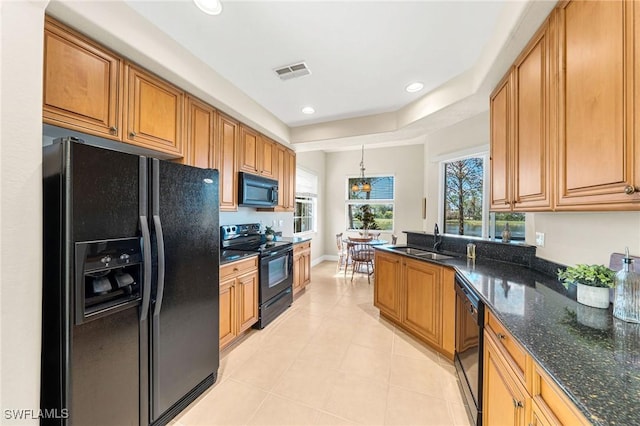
<point>283,221</point>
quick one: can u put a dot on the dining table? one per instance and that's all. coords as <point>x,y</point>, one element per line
<point>360,241</point>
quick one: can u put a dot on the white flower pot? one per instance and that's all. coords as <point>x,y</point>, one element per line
<point>597,297</point>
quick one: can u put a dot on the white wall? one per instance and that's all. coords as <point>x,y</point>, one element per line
<point>406,163</point>
<point>581,237</point>
<point>315,162</point>
<point>21,35</point>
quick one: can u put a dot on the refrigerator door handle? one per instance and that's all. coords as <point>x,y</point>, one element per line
<point>161,264</point>
<point>146,253</point>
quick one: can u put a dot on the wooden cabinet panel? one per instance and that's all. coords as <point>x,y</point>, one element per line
<point>531,153</point>
<point>504,400</point>
<point>423,309</point>
<point>200,128</point>
<point>247,292</point>
<point>226,161</point>
<point>301,266</point>
<point>552,403</point>
<point>597,146</point>
<point>500,164</point>
<point>387,285</point>
<point>248,161</point>
<point>290,186</point>
<point>513,353</point>
<point>267,157</point>
<point>83,83</point>
<point>154,112</point>
<point>227,312</point>
<point>233,269</point>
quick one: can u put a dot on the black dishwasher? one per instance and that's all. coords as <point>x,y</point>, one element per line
<point>468,353</point>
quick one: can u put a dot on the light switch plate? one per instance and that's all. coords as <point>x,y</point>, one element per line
<point>540,239</point>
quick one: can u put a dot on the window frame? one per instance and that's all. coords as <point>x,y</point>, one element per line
<point>313,200</point>
<point>380,201</point>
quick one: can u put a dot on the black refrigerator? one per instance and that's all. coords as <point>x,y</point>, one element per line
<point>130,286</point>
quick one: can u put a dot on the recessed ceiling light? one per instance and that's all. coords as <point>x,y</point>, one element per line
<point>414,87</point>
<point>308,110</point>
<point>210,7</point>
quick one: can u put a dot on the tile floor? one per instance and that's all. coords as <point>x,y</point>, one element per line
<point>330,360</point>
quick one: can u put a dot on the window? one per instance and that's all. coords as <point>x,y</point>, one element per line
<point>466,211</point>
<point>374,209</point>
<point>305,214</point>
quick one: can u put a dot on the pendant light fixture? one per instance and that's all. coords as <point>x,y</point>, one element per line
<point>210,7</point>
<point>363,185</point>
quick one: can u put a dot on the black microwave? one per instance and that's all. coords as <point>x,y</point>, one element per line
<point>257,191</point>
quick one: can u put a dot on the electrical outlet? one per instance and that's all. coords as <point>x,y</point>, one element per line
<point>273,223</point>
<point>281,223</point>
<point>540,239</point>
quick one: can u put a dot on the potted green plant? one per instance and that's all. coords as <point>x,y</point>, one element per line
<point>269,233</point>
<point>592,281</point>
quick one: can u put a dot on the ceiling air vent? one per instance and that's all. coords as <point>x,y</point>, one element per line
<point>292,71</point>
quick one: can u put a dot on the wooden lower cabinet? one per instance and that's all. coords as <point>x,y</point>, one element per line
<point>419,296</point>
<point>301,266</point>
<point>516,391</point>
<point>238,298</point>
<point>504,398</point>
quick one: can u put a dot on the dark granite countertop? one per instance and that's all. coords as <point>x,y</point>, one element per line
<point>592,356</point>
<point>228,256</point>
<point>294,240</point>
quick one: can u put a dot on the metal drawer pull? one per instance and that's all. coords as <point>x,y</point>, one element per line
<point>630,189</point>
<point>501,336</point>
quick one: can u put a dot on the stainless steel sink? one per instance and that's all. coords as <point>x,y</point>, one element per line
<point>422,253</point>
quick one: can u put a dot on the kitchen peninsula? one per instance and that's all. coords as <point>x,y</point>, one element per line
<point>585,354</point>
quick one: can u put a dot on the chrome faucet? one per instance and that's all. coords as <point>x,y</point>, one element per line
<point>437,238</point>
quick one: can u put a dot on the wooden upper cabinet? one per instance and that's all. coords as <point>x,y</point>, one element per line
<point>248,150</point>
<point>290,158</point>
<point>267,157</point>
<point>83,84</point>
<point>532,163</point>
<point>500,154</point>
<point>200,126</point>
<point>226,144</point>
<point>598,141</point>
<point>154,111</point>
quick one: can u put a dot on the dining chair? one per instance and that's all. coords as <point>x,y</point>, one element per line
<point>361,253</point>
<point>343,255</point>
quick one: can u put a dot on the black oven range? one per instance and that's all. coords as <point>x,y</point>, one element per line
<point>276,267</point>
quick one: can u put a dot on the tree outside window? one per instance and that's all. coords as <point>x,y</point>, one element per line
<point>463,196</point>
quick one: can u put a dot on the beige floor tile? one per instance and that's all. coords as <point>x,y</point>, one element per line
<point>375,335</point>
<point>264,368</point>
<point>326,419</point>
<point>367,362</point>
<point>230,403</point>
<point>278,411</point>
<point>408,346</point>
<point>357,399</point>
<point>421,375</point>
<point>459,414</point>
<point>307,381</point>
<point>407,408</point>
<point>329,351</point>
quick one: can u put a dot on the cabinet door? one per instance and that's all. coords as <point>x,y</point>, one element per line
<point>306,278</point>
<point>247,293</point>
<point>597,105</point>
<point>500,155</point>
<point>154,113</point>
<point>290,188</point>
<point>267,157</point>
<point>298,272</point>
<point>248,150</point>
<point>503,400</point>
<point>200,125</point>
<point>283,176</point>
<point>226,162</point>
<point>227,312</point>
<point>82,83</point>
<point>387,288</point>
<point>532,178</point>
<point>422,312</point>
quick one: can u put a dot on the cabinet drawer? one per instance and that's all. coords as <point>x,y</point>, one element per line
<point>301,247</point>
<point>553,402</point>
<point>514,353</point>
<point>237,268</point>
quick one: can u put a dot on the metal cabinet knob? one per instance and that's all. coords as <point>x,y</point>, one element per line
<point>113,130</point>
<point>501,336</point>
<point>517,404</point>
<point>132,134</point>
<point>630,189</point>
